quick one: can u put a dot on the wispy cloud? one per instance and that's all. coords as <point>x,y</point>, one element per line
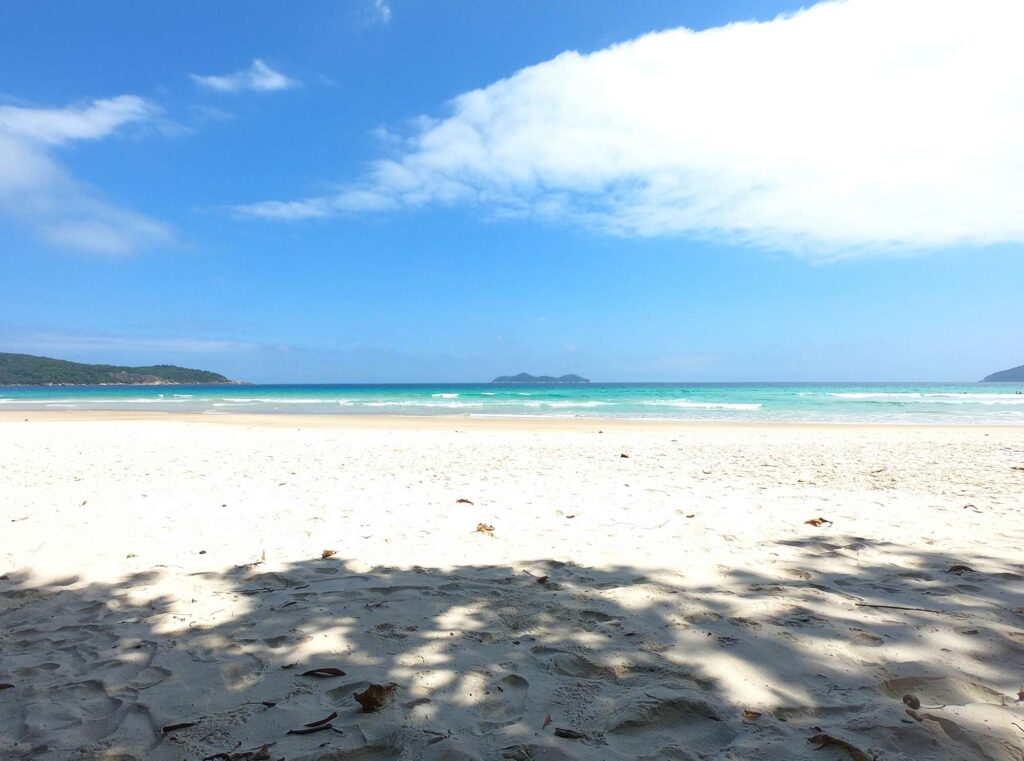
<point>259,77</point>
<point>58,342</point>
<point>847,128</point>
<point>380,11</point>
<point>38,192</point>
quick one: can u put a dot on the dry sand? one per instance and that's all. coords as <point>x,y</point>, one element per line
<point>673,604</point>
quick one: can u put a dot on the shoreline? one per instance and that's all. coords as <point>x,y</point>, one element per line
<point>453,422</point>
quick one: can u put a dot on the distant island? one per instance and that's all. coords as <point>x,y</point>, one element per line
<point>28,370</point>
<point>1014,374</point>
<point>527,378</point>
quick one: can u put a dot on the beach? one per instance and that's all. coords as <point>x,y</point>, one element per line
<point>545,589</point>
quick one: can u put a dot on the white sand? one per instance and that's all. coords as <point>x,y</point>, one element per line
<point>163,569</point>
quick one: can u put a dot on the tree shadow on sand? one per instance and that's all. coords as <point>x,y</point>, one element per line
<point>488,661</point>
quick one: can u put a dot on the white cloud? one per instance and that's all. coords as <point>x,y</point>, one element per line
<point>847,128</point>
<point>59,125</point>
<point>37,191</point>
<point>44,342</point>
<point>381,11</point>
<point>259,77</point>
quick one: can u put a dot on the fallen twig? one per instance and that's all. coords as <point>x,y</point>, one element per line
<point>905,607</point>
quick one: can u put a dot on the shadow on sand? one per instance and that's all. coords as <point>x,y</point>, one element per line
<point>489,661</point>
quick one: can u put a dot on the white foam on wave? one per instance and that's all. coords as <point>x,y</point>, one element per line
<point>937,397</point>
<point>687,404</point>
<point>445,396</point>
<point>566,404</point>
<point>412,403</point>
<point>94,401</point>
<point>275,400</point>
<point>877,395</point>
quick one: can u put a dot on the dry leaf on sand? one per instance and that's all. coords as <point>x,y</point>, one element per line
<point>326,720</point>
<point>818,522</point>
<point>822,740</point>
<point>375,697</point>
<point>959,569</point>
<point>328,554</point>
<point>569,734</point>
<point>463,501</point>
<point>483,528</point>
<point>324,671</point>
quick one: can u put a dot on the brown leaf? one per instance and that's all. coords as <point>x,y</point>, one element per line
<point>751,715</point>
<point>570,517</point>
<point>182,725</point>
<point>375,697</point>
<point>911,700</point>
<point>569,734</point>
<point>483,528</point>
<point>623,456</point>
<point>959,569</point>
<point>323,671</point>
<point>308,730</point>
<point>818,522</point>
<point>822,740</point>
<point>547,720</point>
<point>326,720</point>
<point>463,501</point>
<point>328,554</point>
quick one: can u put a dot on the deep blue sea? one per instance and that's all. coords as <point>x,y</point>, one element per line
<point>976,403</point>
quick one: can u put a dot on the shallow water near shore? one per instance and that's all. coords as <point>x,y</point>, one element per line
<point>915,403</point>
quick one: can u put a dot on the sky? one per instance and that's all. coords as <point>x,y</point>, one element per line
<point>403,191</point>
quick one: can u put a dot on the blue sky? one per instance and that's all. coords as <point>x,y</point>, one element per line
<point>409,191</point>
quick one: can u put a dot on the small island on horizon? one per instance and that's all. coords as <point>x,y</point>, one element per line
<point>527,378</point>
<point>30,370</point>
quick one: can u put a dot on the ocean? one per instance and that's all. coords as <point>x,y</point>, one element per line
<point>971,403</point>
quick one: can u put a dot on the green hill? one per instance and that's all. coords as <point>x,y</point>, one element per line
<point>27,370</point>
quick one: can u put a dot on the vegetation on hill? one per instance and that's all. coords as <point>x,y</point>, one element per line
<point>28,370</point>
<point>527,378</point>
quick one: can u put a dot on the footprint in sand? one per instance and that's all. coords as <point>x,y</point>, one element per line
<point>861,637</point>
<point>537,752</point>
<point>570,664</point>
<point>680,715</point>
<point>69,714</point>
<point>596,616</point>
<point>506,699</point>
<point>940,690</point>
<point>241,672</point>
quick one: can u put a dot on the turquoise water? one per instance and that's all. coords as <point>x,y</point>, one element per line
<point>998,403</point>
